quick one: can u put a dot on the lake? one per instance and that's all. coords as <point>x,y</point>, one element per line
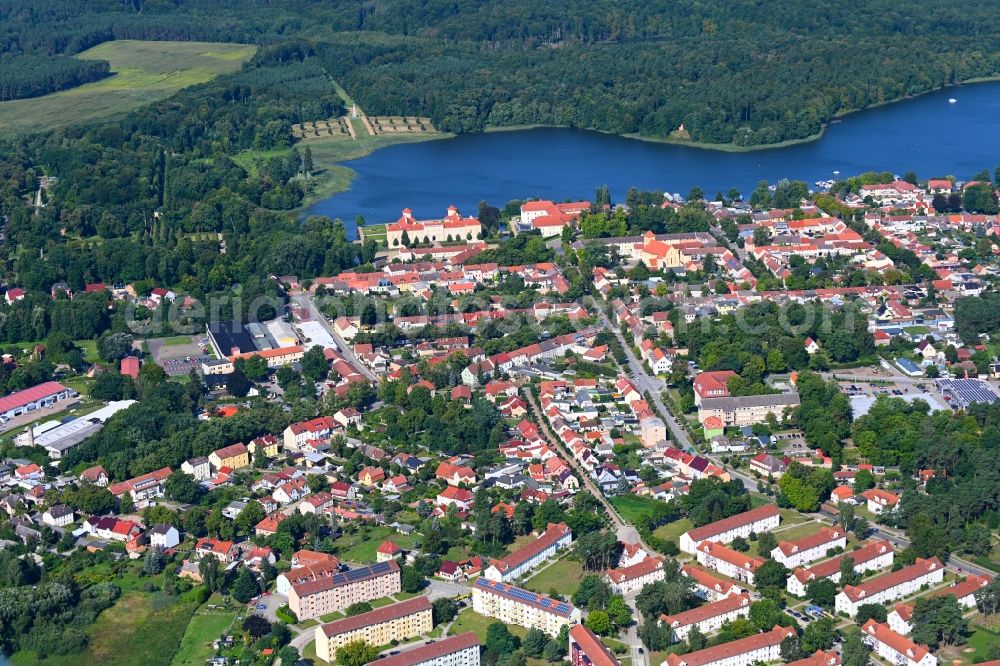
<point>927,135</point>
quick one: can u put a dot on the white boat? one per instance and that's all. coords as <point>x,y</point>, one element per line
<point>952,100</point>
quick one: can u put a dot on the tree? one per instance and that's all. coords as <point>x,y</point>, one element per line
<point>307,161</point>
<point>822,592</point>
<point>237,383</point>
<point>356,653</point>
<point>848,576</point>
<point>845,516</point>
<point>766,542</point>
<point>593,593</point>
<point>246,586</point>
<point>862,530</point>
<point>314,364</point>
<point>988,598</point>
<point>870,612</point>
<point>534,643</point>
<point>411,580</point>
<point>938,621</point>
<point>771,574</point>
<point>790,649</point>
<point>761,236</point>
<point>113,347</point>
<point>696,640</point>
<point>597,551</point>
<point>863,480</point>
<point>740,544</point>
<point>256,626</point>
<point>766,613</point>
<point>357,608</point>
<point>212,574</point>
<point>855,652</point>
<point>182,487</point>
<point>619,612</point>
<point>126,504</point>
<point>555,651</point>
<point>93,499</point>
<point>154,562</point>
<point>443,610</point>
<point>499,640</point>
<point>289,655</point>
<point>600,623</point>
<point>819,635</point>
<point>255,368</point>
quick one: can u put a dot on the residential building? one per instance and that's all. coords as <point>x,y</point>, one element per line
<point>555,537</point>
<point>634,577</point>
<point>586,649</point>
<point>711,384</point>
<point>296,435</point>
<point>233,456</point>
<point>200,468</point>
<point>388,551</point>
<point>762,519</point>
<point>59,515</point>
<point>316,569</point>
<point>818,658</point>
<point>455,475</point>
<point>265,446</point>
<point>460,497</point>
<point>164,536</point>
<point>891,586</point>
<point>880,501</point>
<point>395,622</point>
<point>763,648</point>
<point>896,648</point>
<point>224,551</point>
<point>727,561</point>
<point>874,555</point>
<point>709,618</point>
<point>460,650</point>
<point>900,619</point>
<point>142,488</point>
<point>965,590</point>
<point>96,475</point>
<point>747,410</point>
<point>809,548</point>
<point>710,587</point>
<point>338,591</point>
<point>512,605</point>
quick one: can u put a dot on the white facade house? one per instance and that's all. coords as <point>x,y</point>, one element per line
<point>59,515</point>
<point>763,648</point>
<point>727,561</point>
<point>556,537</point>
<point>627,580</point>
<point>199,468</point>
<point>874,556</point>
<point>965,590</point>
<point>708,587</point>
<point>164,536</point>
<point>891,586</point>
<point>762,519</point>
<point>895,648</point>
<point>900,619</point>
<point>810,548</point>
<point>460,650</point>
<point>708,618</point>
<point>512,605</point>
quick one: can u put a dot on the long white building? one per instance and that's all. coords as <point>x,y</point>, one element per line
<point>637,576</point>
<point>895,648</point>
<point>555,537</point>
<point>891,586</point>
<point>763,648</point>
<point>809,548</point>
<point>709,587</point>
<point>512,605</point>
<point>727,561</point>
<point>708,618</point>
<point>762,519</point>
<point>875,555</point>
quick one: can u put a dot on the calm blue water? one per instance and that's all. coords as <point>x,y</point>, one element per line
<point>927,135</point>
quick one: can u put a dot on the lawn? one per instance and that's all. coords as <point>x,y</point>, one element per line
<point>674,530</point>
<point>139,630</point>
<point>143,73</point>
<point>360,546</point>
<point>563,577</point>
<point>469,620</point>
<point>633,507</point>
<point>981,640</point>
<point>205,626</point>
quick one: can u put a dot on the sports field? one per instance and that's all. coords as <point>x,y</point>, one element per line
<point>143,73</point>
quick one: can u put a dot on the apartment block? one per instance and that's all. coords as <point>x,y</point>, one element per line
<point>761,519</point>
<point>635,577</point>
<point>895,648</point>
<point>873,556</point>
<point>461,650</point>
<point>809,548</point>
<point>395,622</point>
<point>764,648</point>
<point>512,605</point>
<point>339,590</point>
<point>556,537</point>
<point>708,618</point>
<point>586,649</point>
<point>727,561</point>
<point>891,586</point>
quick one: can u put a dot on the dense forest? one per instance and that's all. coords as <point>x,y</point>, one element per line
<point>746,72</point>
<point>33,76</point>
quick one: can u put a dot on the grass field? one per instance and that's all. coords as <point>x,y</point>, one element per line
<point>143,73</point>
<point>469,620</point>
<point>563,576</point>
<point>360,547</point>
<point>674,530</point>
<point>205,627</point>
<point>139,630</point>
<point>981,640</point>
<point>633,507</point>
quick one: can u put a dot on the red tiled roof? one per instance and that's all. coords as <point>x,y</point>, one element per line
<point>732,648</point>
<point>901,644</point>
<point>637,570</point>
<point>43,390</point>
<point>890,580</point>
<point>552,534</point>
<point>596,652</point>
<point>430,651</point>
<point>702,613</point>
<point>825,535</point>
<point>726,524</point>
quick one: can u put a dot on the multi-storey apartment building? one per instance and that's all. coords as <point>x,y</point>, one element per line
<point>395,622</point>
<point>460,650</point>
<point>727,561</point>
<point>708,618</point>
<point>512,605</point>
<point>891,586</point>
<point>339,590</point>
<point>895,648</point>
<point>635,577</point>
<point>556,537</point>
<point>764,648</point>
<point>586,649</point>
<point>809,548</point>
<point>761,519</point>
<point>873,556</point>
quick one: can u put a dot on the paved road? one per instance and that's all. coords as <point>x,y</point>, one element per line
<point>654,387</point>
<point>345,349</point>
<point>640,657</point>
<point>626,533</point>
